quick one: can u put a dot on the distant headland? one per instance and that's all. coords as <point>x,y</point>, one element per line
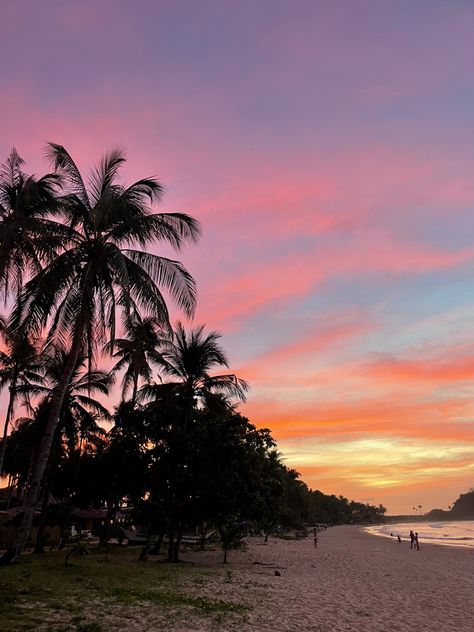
<point>461,509</point>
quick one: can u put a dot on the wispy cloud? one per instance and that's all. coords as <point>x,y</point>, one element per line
<point>327,151</point>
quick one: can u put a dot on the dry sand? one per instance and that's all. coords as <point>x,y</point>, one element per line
<point>352,581</point>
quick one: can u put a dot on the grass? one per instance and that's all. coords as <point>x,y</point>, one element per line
<point>95,593</point>
<point>203,604</point>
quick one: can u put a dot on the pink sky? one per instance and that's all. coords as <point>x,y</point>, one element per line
<point>328,151</point>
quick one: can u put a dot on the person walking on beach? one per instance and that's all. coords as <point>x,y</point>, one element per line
<point>315,537</point>
<point>399,539</point>
<point>412,539</point>
<point>416,543</point>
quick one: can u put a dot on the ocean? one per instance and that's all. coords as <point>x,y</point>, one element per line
<point>453,533</point>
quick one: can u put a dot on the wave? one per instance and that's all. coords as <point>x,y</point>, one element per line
<point>453,533</point>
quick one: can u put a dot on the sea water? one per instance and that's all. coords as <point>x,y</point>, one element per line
<point>453,533</point>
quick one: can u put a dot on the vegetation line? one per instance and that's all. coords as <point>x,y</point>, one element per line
<point>175,459</point>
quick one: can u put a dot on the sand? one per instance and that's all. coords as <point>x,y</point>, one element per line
<point>352,581</point>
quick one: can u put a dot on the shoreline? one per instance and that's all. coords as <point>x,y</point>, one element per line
<point>449,542</point>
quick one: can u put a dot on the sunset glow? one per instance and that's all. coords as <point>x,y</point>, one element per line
<point>327,149</point>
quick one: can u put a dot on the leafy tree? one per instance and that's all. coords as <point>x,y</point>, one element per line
<point>295,504</point>
<point>126,457</point>
<point>21,443</point>
<point>339,510</point>
<point>112,470</point>
<point>237,474</point>
<point>100,272</point>
<point>268,502</point>
<point>232,533</point>
<point>208,473</point>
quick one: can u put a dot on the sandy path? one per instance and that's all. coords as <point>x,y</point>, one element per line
<point>353,581</point>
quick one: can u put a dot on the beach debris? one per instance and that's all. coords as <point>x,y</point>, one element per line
<point>277,573</point>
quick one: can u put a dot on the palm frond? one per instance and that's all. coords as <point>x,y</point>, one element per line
<point>11,169</point>
<point>94,405</point>
<point>174,228</point>
<point>154,392</point>
<point>169,275</point>
<point>104,174</point>
<point>229,385</point>
<point>141,190</point>
<point>63,163</point>
<point>143,291</point>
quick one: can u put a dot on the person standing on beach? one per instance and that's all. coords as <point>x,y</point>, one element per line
<point>399,539</point>
<point>417,544</point>
<point>412,539</point>
<point>315,537</point>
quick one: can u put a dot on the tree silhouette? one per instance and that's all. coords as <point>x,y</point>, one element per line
<point>138,353</point>
<point>99,272</point>
<point>28,236</point>
<point>21,369</point>
<point>187,364</point>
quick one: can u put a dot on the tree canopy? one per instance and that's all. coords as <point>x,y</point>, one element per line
<point>78,259</point>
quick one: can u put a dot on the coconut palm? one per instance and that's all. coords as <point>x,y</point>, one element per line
<point>20,370</point>
<point>188,362</point>
<point>137,353</point>
<point>81,410</point>
<point>101,271</point>
<point>77,426</point>
<point>29,236</point>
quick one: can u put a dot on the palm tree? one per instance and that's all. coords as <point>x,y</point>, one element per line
<point>187,362</point>
<point>100,272</point>
<point>28,235</point>
<point>138,352</point>
<point>80,410</point>
<point>77,423</point>
<point>21,370</point>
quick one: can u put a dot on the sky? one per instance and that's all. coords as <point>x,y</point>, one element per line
<point>327,149</point>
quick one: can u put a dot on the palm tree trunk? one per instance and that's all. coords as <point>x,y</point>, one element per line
<point>39,546</point>
<point>135,389</point>
<point>189,405</point>
<point>7,423</point>
<point>158,544</point>
<point>10,491</point>
<point>47,439</point>
<point>177,544</point>
<point>170,544</point>
<point>202,535</point>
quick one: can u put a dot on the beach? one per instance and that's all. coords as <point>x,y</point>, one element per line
<point>352,581</point>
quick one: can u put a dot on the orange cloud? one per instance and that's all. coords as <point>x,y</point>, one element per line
<point>426,419</point>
